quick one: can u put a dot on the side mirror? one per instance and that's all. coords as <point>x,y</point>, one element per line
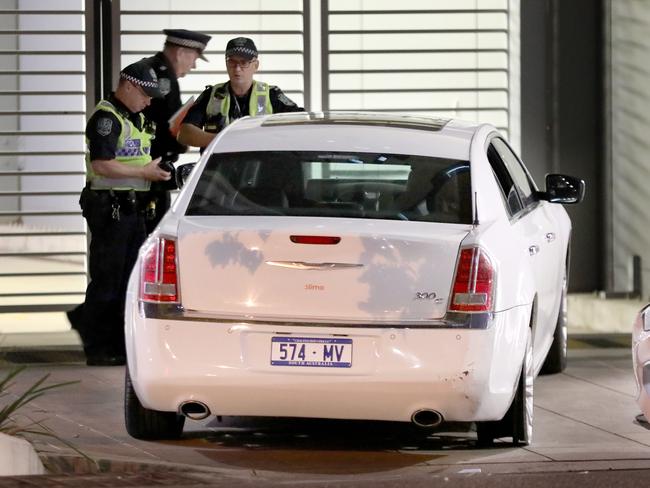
<point>183,173</point>
<point>563,189</point>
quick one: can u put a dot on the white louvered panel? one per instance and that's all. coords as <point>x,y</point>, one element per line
<point>630,126</point>
<point>42,119</point>
<point>457,59</point>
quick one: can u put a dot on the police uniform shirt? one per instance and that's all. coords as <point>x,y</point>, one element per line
<point>239,106</point>
<point>161,109</point>
<point>103,130</point>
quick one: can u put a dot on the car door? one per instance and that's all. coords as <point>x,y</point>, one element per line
<point>533,221</point>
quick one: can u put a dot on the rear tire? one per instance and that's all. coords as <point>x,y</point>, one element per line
<point>143,423</point>
<point>517,423</point>
<point>555,361</point>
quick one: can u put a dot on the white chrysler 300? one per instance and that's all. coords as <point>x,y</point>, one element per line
<point>351,266</point>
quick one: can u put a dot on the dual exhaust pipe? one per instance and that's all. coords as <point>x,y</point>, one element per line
<point>424,418</point>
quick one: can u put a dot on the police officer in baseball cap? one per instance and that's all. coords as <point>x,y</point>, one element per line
<point>240,96</point>
<point>142,74</point>
<point>181,50</point>
<point>119,172</point>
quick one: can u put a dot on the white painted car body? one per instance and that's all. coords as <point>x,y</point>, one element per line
<point>385,287</point>
<point>641,359</point>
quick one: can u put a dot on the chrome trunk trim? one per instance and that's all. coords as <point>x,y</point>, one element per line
<point>452,320</point>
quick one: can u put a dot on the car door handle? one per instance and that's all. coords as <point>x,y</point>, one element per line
<point>534,249</point>
<point>550,236</point>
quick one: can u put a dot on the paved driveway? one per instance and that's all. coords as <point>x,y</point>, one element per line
<point>585,435</point>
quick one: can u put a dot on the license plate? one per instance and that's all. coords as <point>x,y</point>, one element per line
<point>311,351</point>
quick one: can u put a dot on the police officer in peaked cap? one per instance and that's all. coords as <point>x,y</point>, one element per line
<point>241,95</point>
<point>119,173</point>
<point>178,57</point>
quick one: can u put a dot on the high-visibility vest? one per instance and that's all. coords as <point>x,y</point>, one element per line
<point>219,103</point>
<point>133,149</point>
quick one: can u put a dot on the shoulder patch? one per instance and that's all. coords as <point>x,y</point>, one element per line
<point>285,99</point>
<point>104,126</point>
<point>164,85</point>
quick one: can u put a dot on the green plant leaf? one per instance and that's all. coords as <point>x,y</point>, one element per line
<point>9,411</point>
<point>32,393</point>
<point>45,431</point>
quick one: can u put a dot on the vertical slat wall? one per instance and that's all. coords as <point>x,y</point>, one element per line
<point>448,59</point>
<point>630,125</point>
<point>420,56</point>
<point>42,119</point>
<point>277,28</point>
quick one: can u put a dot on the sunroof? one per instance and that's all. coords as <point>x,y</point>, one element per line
<point>357,118</point>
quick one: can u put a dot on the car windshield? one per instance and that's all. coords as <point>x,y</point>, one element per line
<point>334,184</point>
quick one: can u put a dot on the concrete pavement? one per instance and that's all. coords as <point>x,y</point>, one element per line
<point>585,434</point>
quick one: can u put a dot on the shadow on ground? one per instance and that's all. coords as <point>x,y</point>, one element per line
<point>323,446</point>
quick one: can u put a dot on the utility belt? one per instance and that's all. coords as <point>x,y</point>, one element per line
<point>125,201</point>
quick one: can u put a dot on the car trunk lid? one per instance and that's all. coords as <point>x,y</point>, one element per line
<point>317,269</point>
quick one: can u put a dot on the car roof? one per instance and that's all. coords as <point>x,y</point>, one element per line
<point>358,118</point>
<point>346,131</point>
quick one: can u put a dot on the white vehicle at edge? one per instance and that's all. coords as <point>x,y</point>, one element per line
<point>351,266</point>
<point>641,359</point>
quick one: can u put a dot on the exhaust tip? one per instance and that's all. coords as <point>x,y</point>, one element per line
<point>194,410</point>
<point>426,418</point>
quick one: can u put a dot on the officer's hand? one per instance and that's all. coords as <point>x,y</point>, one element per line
<point>153,172</point>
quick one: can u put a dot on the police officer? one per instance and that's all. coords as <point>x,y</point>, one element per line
<point>178,57</point>
<point>119,173</point>
<point>220,104</point>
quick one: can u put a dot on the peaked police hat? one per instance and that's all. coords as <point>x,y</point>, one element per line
<point>142,74</point>
<point>188,38</point>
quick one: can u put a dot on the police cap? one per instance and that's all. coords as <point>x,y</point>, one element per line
<point>188,38</point>
<point>241,46</point>
<point>142,74</point>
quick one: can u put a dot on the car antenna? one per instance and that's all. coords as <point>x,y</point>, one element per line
<point>475,222</point>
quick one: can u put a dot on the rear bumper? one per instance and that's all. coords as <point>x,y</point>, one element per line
<point>465,374</point>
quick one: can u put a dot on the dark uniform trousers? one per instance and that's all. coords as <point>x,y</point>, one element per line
<point>116,221</point>
<point>161,199</point>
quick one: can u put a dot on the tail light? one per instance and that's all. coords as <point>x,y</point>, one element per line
<point>158,272</point>
<point>473,289</point>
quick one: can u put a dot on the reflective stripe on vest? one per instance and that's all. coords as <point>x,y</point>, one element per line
<point>219,103</point>
<point>133,147</point>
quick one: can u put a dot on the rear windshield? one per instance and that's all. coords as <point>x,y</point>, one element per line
<point>334,184</point>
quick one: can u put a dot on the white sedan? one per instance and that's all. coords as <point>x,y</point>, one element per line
<point>641,359</point>
<point>351,266</point>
